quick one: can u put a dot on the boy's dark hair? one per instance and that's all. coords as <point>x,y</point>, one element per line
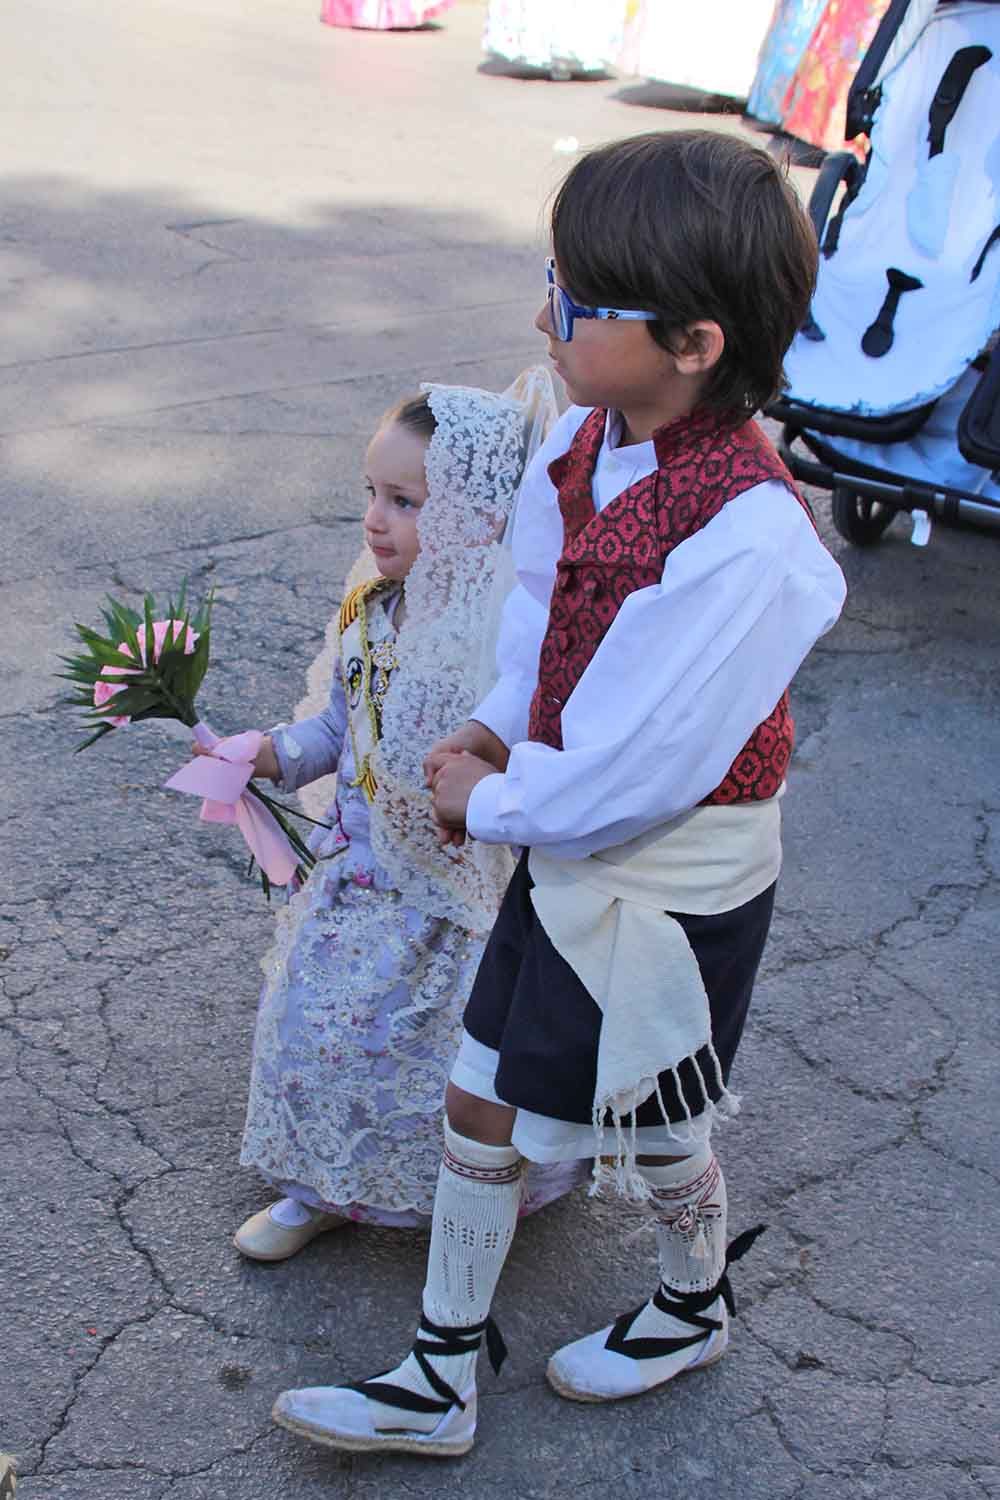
<point>414,413</point>
<point>692,224</point>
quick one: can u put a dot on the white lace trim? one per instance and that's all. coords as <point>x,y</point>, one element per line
<point>360,1017</point>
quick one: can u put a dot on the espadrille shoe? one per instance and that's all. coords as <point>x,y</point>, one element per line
<point>615,1362</point>
<point>263,1238</point>
<point>335,1416</point>
<point>671,1334</point>
<point>411,1409</point>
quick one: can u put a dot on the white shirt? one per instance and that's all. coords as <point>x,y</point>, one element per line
<point>687,670</point>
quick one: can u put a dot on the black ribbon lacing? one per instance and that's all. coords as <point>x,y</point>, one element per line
<point>448,1341</point>
<point>686,1307</point>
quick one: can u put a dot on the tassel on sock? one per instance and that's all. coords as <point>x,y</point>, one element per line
<point>688,1203</point>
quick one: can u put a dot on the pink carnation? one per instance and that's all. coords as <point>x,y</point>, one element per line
<point>103,689</point>
<point>160,631</point>
<point>104,692</point>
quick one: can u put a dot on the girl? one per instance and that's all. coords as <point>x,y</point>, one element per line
<point>375,955</point>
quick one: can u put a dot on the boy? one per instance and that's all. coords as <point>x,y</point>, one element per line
<point>670,582</point>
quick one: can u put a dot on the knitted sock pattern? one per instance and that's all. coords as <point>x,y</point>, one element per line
<point>475,1215</point>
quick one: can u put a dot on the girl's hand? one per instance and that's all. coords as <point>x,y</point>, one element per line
<point>474,739</point>
<point>452,787</point>
<point>265,765</point>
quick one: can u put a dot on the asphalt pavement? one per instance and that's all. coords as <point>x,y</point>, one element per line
<point>229,236</point>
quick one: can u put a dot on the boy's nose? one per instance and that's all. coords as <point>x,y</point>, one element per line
<point>543,322</point>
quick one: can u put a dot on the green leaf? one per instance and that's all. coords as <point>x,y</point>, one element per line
<point>132,701</point>
<point>124,612</point>
<point>131,637</point>
<point>99,645</point>
<point>147,605</point>
<point>78,674</point>
<point>97,735</point>
<point>203,619</point>
<point>191,669</point>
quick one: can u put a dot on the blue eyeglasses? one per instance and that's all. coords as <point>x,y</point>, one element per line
<point>563,310</point>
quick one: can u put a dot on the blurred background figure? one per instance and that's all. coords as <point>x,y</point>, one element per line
<point>710,47</point>
<point>563,38</point>
<point>783,49</point>
<point>807,64</point>
<point>382,15</point>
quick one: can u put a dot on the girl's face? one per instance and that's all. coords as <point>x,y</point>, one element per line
<point>397,489</point>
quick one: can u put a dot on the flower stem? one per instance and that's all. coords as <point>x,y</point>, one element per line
<point>277,810</point>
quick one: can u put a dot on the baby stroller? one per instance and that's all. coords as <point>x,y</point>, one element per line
<point>894,380</point>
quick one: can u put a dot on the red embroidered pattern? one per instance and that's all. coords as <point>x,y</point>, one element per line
<point>606,556</point>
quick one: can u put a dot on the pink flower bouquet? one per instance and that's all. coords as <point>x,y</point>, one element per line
<point>119,680</point>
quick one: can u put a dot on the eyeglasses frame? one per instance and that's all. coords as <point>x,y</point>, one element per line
<point>573,310</point>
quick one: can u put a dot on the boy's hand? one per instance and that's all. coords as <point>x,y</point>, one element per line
<point>265,765</point>
<point>473,738</point>
<point>452,786</point>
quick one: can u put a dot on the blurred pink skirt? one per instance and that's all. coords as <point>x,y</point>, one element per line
<point>381,15</point>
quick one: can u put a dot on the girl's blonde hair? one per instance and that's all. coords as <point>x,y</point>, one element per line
<point>414,413</point>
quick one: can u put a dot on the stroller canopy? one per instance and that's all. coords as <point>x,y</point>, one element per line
<point>909,284</point>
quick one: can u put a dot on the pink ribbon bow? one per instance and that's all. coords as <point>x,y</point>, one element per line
<point>221,778</point>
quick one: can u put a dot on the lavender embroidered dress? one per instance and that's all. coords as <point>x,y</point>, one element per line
<point>361,1013</point>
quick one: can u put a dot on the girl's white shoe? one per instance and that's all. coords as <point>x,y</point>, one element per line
<point>667,1336</point>
<point>265,1237</point>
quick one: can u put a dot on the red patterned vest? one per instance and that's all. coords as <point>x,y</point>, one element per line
<point>608,554</point>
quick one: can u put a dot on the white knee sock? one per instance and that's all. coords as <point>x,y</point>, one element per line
<point>689,1205</point>
<point>475,1215</point>
<point>689,1209</point>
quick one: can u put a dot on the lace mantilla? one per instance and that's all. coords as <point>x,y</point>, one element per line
<point>446,645</point>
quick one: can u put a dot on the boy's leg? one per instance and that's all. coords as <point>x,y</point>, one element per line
<point>427,1404</point>
<point>684,1325</point>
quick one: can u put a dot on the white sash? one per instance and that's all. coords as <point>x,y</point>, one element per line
<point>607,915</point>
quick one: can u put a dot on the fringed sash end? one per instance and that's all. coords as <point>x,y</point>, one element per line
<point>620,1169</point>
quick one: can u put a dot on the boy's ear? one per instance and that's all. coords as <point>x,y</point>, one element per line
<point>699,347</point>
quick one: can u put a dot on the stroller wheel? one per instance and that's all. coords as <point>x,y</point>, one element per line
<point>858,519</point>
